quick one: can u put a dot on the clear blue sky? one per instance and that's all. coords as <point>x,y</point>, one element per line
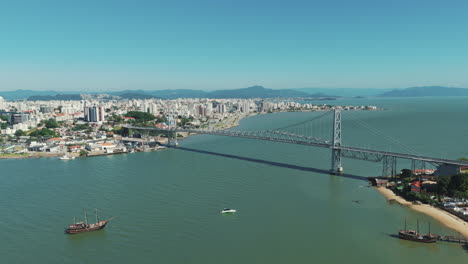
<point>218,44</point>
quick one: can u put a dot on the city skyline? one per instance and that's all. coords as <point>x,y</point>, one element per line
<point>208,45</point>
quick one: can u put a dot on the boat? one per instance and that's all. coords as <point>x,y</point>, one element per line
<point>81,227</point>
<point>414,235</point>
<point>66,157</point>
<point>228,211</point>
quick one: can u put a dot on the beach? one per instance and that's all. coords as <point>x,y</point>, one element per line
<point>440,215</point>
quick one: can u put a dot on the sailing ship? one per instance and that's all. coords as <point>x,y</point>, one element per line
<point>414,235</point>
<point>81,227</point>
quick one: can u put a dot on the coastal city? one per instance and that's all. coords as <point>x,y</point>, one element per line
<point>94,127</point>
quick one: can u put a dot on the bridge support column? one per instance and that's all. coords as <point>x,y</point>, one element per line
<point>172,139</point>
<point>336,162</point>
<point>389,166</point>
<point>336,166</point>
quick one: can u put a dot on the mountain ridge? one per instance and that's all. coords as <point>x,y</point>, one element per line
<point>421,91</point>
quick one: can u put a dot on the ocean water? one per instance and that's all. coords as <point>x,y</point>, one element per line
<point>290,210</point>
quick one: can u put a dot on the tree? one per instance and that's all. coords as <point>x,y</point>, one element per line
<point>83,153</point>
<point>51,123</point>
<point>442,185</point>
<point>44,133</point>
<point>4,118</point>
<point>140,116</point>
<point>406,173</point>
<point>19,133</point>
<point>458,185</point>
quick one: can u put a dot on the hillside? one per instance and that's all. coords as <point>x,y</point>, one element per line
<point>426,91</point>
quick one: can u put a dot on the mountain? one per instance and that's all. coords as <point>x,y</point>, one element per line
<point>139,96</point>
<point>344,92</point>
<point>250,92</point>
<point>178,93</point>
<point>426,91</point>
<point>23,94</point>
<point>57,97</point>
<point>256,92</point>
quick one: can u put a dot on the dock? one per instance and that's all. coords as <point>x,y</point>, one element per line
<point>454,239</point>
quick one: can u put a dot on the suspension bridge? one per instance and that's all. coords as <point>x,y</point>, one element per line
<point>303,134</point>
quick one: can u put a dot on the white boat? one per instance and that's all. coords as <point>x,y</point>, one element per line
<point>65,157</point>
<point>228,211</point>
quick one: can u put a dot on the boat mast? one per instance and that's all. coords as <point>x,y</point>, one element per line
<point>74,220</point>
<point>97,218</point>
<point>429,228</point>
<point>86,217</point>
<point>417,227</point>
<point>405,224</point>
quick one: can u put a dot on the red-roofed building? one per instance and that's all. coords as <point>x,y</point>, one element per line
<point>75,148</point>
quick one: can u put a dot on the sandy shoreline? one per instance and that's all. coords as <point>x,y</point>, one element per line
<point>440,215</point>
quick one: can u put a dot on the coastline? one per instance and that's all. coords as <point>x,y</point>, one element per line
<point>440,215</point>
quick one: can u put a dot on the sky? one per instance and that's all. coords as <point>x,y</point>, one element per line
<point>219,44</point>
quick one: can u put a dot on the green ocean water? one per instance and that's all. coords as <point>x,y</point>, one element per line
<point>167,203</point>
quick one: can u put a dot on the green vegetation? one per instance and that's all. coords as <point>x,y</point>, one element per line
<point>45,132</point>
<point>80,127</point>
<point>184,120</point>
<point>115,118</point>
<point>454,186</point>
<point>19,133</point>
<point>406,173</point>
<point>83,153</point>
<point>3,125</point>
<point>140,117</point>
<point>4,118</point>
<point>117,130</point>
<point>51,123</point>
<point>161,119</point>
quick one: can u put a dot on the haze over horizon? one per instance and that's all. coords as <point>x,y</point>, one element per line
<point>212,45</point>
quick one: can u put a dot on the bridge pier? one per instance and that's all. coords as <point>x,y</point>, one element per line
<point>172,139</point>
<point>389,166</point>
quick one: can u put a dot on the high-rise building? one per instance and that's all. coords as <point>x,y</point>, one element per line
<point>46,109</point>
<point>94,114</point>
<point>19,118</point>
<point>221,108</point>
<point>2,107</point>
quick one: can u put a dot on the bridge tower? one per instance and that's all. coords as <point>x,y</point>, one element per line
<point>336,167</point>
<point>172,135</point>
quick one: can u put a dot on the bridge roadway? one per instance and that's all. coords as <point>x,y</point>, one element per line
<point>279,136</point>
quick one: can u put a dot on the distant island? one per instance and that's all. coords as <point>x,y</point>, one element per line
<point>426,91</point>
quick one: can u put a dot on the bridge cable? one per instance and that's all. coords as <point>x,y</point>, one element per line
<point>304,122</point>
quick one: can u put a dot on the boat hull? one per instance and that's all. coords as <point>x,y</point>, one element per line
<point>90,228</point>
<point>417,238</point>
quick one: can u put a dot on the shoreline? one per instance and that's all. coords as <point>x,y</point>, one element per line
<point>447,219</point>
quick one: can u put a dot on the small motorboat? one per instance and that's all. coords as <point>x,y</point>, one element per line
<point>66,157</point>
<point>228,211</point>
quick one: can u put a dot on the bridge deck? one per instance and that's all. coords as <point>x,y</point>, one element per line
<point>279,136</point>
